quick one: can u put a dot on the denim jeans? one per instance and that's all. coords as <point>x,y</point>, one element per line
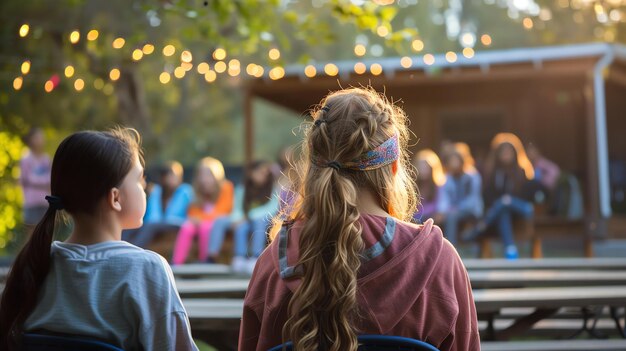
<point>452,220</point>
<point>250,238</point>
<point>216,240</point>
<point>501,214</point>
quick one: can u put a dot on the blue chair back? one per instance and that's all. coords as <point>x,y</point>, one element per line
<point>40,342</point>
<point>380,343</point>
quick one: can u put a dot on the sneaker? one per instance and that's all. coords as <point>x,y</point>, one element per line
<point>239,264</point>
<point>510,252</point>
<point>250,264</point>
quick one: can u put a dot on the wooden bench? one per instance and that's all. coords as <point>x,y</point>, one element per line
<point>212,288</point>
<point>199,270</point>
<point>547,302</point>
<point>543,278</point>
<point>613,263</point>
<point>231,286</point>
<point>556,345</point>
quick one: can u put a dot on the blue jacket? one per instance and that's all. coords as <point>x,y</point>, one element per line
<point>176,210</point>
<point>462,194</point>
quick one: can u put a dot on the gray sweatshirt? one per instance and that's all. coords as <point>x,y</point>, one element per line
<point>114,292</point>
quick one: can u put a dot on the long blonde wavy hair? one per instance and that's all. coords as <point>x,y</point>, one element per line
<point>323,309</point>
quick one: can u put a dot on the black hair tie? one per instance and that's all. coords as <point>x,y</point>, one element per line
<point>325,108</point>
<point>55,202</point>
<point>334,165</point>
<point>319,121</point>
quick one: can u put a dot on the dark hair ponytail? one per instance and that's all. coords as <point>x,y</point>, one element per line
<point>85,167</point>
<point>25,278</point>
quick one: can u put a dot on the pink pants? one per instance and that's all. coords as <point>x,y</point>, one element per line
<point>185,237</point>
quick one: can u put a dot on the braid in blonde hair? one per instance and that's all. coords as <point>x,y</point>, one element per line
<point>323,309</point>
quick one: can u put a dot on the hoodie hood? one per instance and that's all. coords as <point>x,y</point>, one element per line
<point>396,253</point>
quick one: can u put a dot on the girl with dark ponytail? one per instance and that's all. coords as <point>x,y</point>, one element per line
<point>94,285</point>
<point>347,261</point>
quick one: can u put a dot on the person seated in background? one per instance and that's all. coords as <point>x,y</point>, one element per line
<point>430,177</point>
<point>460,197</point>
<point>547,173</point>
<point>507,177</point>
<point>167,206</point>
<point>256,201</point>
<point>213,198</point>
<point>35,178</point>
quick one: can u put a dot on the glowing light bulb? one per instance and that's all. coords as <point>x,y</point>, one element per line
<point>114,74</point>
<point>118,43</point>
<point>24,29</point>
<point>92,35</point>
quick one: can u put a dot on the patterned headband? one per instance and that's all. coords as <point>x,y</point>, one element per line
<point>384,154</point>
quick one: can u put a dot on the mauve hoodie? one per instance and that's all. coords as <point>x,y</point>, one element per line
<point>411,284</point>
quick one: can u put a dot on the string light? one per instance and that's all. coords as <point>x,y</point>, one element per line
<point>187,66</point>
<point>169,50</point>
<point>186,56</point>
<point>92,35</point>
<point>376,69</point>
<point>277,73</point>
<point>359,49</point>
<point>203,67</point>
<point>468,52</point>
<point>179,72</point>
<point>17,83</point>
<point>259,72</point>
<point>210,76</point>
<point>74,37</point>
<point>219,54</point>
<point>148,49</point>
<point>219,67</point>
<point>451,57</point>
<point>234,64</point>
<point>485,39</point>
<point>24,29</point>
<point>417,45</point>
<point>331,69</point>
<point>49,86</point>
<point>164,77</point>
<point>251,69</point>
<point>137,54</point>
<point>528,23</point>
<point>69,71</point>
<point>382,31</point>
<point>429,59</point>
<point>114,74</point>
<point>79,84</point>
<point>468,39</point>
<point>360,68</point>
<point>233,72</point>
<point>118,43</point>
<point>406,62</point>
<point>274,54</point>
<point>25,67</point>
<point>310,71</point>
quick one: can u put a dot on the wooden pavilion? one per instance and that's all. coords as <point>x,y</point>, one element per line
<point>569,100</point>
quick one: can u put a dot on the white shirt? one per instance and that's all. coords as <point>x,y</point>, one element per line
<point>114,292</point>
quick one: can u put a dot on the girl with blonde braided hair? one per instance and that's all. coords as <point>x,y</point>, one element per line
<point>345,262</point>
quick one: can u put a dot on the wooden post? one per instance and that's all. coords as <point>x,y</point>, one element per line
<point>596,224</point>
